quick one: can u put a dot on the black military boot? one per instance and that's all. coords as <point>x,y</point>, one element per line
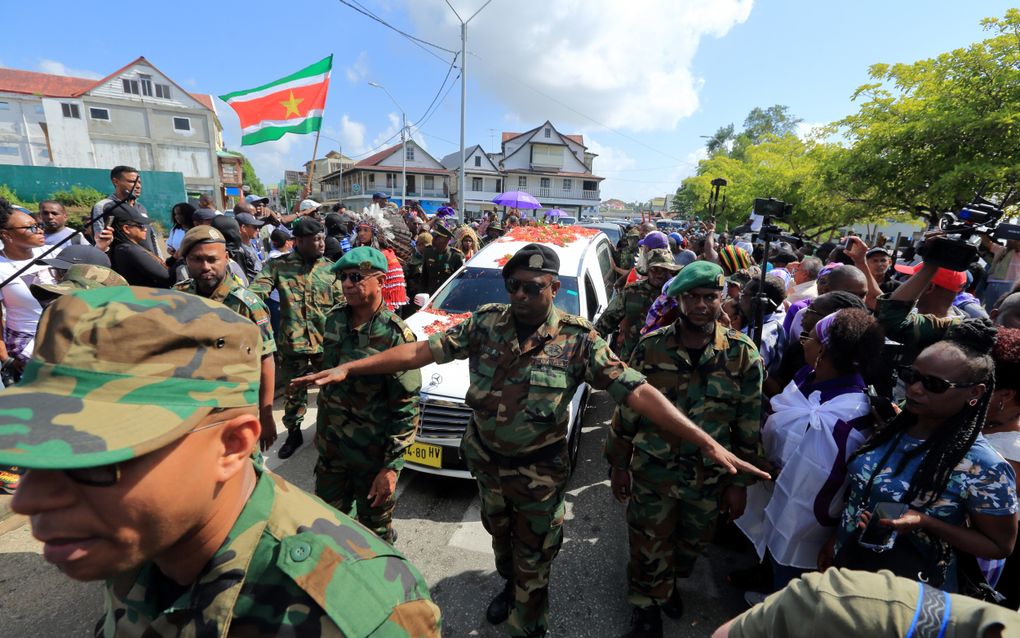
<point>499,608</point>
<point>645,622</point>
<point>674,607</point>
<point>293,442</point>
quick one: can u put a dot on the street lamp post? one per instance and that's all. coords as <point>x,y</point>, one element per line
<point>403,144</point>
<point>463,100</point>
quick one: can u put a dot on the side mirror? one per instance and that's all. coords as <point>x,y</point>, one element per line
<point>421,299</point>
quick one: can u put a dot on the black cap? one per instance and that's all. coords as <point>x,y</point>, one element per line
<point>126,213</point>
<point>306,226</point>
<point>77,254</point>
<point>248,219</point>
<point>534,257</point>
<point>878,250</point>
<point>783,257</point>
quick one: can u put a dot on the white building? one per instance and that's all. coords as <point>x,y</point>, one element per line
<point>483,178</point>
<point>428,181</point>
<point>553,167</point>
<point>136,116</point>
<point>332,162</point>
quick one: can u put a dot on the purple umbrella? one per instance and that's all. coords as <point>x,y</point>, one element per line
<point>555,212</point>
<point>516,199</point>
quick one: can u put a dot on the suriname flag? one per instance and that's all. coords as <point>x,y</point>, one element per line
<point>292,104</point>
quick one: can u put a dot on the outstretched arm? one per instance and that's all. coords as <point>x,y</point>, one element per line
<point>408,356</point>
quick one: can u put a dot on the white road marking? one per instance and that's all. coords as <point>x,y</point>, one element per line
<point>20,541</point>
<point>470,533</point>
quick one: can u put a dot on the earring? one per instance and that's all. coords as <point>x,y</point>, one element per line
<point>972,402</point>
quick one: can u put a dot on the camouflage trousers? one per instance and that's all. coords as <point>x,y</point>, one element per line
<point>670,519</point>
<point>296,399</point>
<point>344,483</point>
<point>523,509</point>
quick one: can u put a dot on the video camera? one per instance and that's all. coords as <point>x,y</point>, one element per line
<point>772,209</point>
<point>957,248</point>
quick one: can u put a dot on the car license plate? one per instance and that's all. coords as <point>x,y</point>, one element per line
<point>425,454</point>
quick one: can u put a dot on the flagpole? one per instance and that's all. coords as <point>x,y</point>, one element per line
<point>311,168</point>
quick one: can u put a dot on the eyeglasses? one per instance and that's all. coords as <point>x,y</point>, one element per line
<point>530,288</point>
<point>805,337</point>
<point>33,229</point>
<point>109,475</point>
<point>935,385</point>
<point>355,277</point>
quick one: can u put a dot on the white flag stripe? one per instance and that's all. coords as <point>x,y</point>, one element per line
<point>293,84</point>
<point>294,121</point>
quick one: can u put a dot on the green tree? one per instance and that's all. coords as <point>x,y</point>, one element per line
<point>684,202</point>
<point>759,125</point>
<point>927,135</point>
<point>250,179</point>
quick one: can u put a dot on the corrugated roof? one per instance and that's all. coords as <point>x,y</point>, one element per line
<point>509,136</point>
<point>373,160</point>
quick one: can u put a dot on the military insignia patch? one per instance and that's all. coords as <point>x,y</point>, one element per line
<point>553,350</point>
<point>536,261</point>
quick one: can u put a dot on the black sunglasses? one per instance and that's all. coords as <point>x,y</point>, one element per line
<point>530,288</point>
<point>355,277</point>
<point>935,385</point>
<point>34,228</point>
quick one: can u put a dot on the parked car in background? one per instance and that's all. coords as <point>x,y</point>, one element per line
<point>612,231</point>
<point>586,283</point>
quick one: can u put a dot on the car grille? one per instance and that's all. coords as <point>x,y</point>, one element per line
<point>443,419</point>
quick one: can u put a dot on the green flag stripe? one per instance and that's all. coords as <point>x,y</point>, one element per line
<point>320,67</point>
<point>270,133</point>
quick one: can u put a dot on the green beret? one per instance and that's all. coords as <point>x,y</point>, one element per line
<point>199,235</point>
<point>697,274</point>
<point>535,257</point>
<point>363,258</point>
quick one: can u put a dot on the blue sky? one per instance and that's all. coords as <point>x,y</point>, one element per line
<point>642,80</point>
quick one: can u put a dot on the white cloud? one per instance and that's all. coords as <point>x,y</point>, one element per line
<point>358,71</point>
<point>351,135</point>
<point>627,65</point>
<point>807,131</point>
<point>610,161</point>
<point>59,68</point>
<point>393,131</point>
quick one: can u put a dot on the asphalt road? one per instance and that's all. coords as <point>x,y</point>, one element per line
<point>440,532</point>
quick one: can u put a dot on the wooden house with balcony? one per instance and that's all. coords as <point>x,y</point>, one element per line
<point>428,181</point>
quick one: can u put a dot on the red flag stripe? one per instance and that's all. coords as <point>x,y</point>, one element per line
<point>270,107</point>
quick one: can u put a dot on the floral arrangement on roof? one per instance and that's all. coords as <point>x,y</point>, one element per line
<point>555,235</point>
<point>446,320</point>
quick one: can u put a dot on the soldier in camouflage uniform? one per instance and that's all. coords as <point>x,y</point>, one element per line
<point>308,291</point>
<point>440,260</point>
<point>714,374</point>
<point>526,361</point>
<point>627,310</point>
<point>136,418</point>
<point>204,252</point>
<point>364,426</point>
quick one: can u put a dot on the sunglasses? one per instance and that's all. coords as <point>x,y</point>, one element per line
<point>530,288</point>
<point>935,385</point>
<point>355,277</point>
<point>33,229</point>
<point>109,475</point>
<point>805,337</point>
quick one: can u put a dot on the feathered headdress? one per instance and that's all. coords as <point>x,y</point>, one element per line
<point>375,217</point>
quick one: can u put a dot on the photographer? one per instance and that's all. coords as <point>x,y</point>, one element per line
<point>932,290</point>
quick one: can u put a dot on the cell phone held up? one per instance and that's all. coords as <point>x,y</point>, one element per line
<point>878,537</point>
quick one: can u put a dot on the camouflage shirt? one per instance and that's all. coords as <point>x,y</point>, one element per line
<point>438,266</point>
<point>627,311</point>
<point>521,394</point>
<point>307,293</point>
<point>722,394</point>
<point>375,416</point>
<point>626,257</point>
<point>291,565</point>
<point>243,302</point>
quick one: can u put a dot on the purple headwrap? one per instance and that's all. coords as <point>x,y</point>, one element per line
<point>828,268</point>
<point>824,325</point>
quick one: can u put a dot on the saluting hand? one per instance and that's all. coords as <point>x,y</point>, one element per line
<point>731,462</point>
<point>321,378</point>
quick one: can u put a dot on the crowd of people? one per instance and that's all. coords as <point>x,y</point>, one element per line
<point>843,407</point>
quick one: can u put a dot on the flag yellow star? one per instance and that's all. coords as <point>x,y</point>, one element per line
<point>291,105</point>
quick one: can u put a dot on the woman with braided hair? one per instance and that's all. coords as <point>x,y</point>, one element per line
<point>933,458</point>
<point>374,229</point>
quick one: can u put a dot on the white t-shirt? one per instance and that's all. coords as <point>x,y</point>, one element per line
<point>21,310</point>
<point>61,234</point>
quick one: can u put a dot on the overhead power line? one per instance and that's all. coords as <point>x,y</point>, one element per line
<point>357,6</point>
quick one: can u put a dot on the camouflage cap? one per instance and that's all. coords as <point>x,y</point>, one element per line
<point>364,258</point>
<point>440,230</point>
<point>200,235</point>
<point>78,277</point>
<point>121,371</point>
<point>661,258</point>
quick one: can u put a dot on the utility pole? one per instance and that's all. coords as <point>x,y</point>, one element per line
<point>403,142</point>
<point>461,190</point>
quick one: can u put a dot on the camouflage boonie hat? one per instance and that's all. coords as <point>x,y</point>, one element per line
<point>78,277</point>
<point>662,258</point>
<point>119,372</point>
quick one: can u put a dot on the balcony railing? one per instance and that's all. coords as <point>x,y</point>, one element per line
<point>574,193</point>
<point>421,192</point>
